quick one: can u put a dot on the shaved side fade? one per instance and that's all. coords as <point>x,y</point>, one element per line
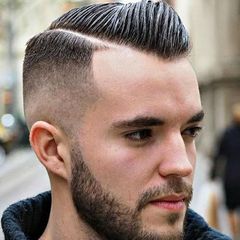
<point>57,73</point>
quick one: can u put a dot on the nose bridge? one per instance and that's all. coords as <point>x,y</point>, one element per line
<point>175,159</point>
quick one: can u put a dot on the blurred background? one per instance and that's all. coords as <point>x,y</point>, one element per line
<point>214,26</point>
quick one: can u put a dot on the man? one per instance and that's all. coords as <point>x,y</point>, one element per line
<point>113,109</point>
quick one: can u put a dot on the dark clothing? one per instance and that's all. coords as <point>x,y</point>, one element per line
<point>27,219</point>
<point>229,150</point>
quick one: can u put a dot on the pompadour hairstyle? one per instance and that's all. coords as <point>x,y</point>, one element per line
<point>57,62</point>
<point>148,26</point>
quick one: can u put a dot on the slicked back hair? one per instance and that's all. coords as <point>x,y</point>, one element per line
<point>57,74</point>
<point>148,26</point>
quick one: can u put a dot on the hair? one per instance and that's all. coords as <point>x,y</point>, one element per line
<point>57,74</point>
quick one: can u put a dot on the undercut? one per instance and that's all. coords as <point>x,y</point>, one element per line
<point>58,77</point>
<point>58,81</point>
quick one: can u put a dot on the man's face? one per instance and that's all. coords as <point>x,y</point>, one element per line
<point>134,155</point>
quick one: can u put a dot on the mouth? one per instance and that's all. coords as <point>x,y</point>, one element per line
<point>174,203</point>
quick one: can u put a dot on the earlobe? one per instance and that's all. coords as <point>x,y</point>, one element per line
<point>45,139</point>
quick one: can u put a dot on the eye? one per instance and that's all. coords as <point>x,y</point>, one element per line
<point>192,132</point>
<point>139,135</point>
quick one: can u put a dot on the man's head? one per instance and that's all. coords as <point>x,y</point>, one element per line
<point>114,108</point>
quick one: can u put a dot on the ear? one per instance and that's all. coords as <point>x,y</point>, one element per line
<point>51,147</point>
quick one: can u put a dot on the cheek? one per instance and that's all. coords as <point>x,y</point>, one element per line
<point>191,152</point>
<point>118,169</point>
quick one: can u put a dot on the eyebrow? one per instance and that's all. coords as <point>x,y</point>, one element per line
<point>139,122</point>
<point>197,117</point>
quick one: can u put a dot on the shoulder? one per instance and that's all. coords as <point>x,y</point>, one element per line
<point>197,228</point>
<point>232,129</point>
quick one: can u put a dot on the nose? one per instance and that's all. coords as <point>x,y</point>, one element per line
<point>176,159</point>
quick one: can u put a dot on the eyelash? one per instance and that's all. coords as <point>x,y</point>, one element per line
<point>143,135</point>
<point>146,134</point>
<point>194,131</point>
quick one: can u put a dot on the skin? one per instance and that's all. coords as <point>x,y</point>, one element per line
<point>127,157</point>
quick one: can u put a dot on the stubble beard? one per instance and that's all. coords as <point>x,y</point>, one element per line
<point>111,219</point>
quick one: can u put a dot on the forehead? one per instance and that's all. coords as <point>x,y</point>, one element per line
<point>135,81</point>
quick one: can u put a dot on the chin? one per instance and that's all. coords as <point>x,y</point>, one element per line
<point>165,231</point>
<point>171,223</point>
<point>165,227</point>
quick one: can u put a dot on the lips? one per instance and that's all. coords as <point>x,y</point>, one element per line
<point>171,198</point>
<point>171,202</point>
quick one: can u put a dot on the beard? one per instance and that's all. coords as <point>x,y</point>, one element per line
<point>112,219</point>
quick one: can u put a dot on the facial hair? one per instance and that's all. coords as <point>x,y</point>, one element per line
<point>107,216</point>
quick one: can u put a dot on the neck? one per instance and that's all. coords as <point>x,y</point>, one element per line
<point>64,222</point>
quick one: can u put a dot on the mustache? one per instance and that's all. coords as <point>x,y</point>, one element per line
<point>173,185</point>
